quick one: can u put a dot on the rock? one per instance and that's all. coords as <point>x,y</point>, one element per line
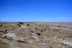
<point>10,35</point>
<point>67,43</point>
<point>13,36</point>
<point>35,36</point>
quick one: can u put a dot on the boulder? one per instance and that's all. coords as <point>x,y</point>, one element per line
<point>13,36</point>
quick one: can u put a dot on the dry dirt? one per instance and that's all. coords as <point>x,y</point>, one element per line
<point>35,34</point>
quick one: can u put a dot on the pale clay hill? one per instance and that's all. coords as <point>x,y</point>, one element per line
<point>35,35</point>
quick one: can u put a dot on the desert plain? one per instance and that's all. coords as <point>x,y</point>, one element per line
<point>35,34</point>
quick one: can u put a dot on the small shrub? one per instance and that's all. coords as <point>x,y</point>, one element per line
<point>41,30</point>
<point>21,41</point>
<point>30,28</point>
<point>59,26</point>
<point>20,23</point>
<point>28,25</point>
<point>38,34</point>
<point>1,25</point>
<point>5,30</point>
<point>36,28</point>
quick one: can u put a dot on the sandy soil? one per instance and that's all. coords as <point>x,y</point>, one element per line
<point>35,34</point>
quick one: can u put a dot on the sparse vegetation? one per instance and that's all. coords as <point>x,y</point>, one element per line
<point>49,35</point>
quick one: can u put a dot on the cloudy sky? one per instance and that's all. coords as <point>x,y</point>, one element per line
<point>36,10</point>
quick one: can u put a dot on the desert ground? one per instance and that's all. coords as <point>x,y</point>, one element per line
<point>35,34</point>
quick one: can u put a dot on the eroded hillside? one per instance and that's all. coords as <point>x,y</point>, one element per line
<point>35,35</point>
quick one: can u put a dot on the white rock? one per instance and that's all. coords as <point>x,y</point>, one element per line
<point>14,36</point>
<point>68,43</point>
<point>35,37</point>
<point>11,35</point>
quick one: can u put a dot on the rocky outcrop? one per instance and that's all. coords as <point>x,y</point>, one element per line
<point>13,36</point>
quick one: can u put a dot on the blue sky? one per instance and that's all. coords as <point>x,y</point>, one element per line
<point>36,10</point>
